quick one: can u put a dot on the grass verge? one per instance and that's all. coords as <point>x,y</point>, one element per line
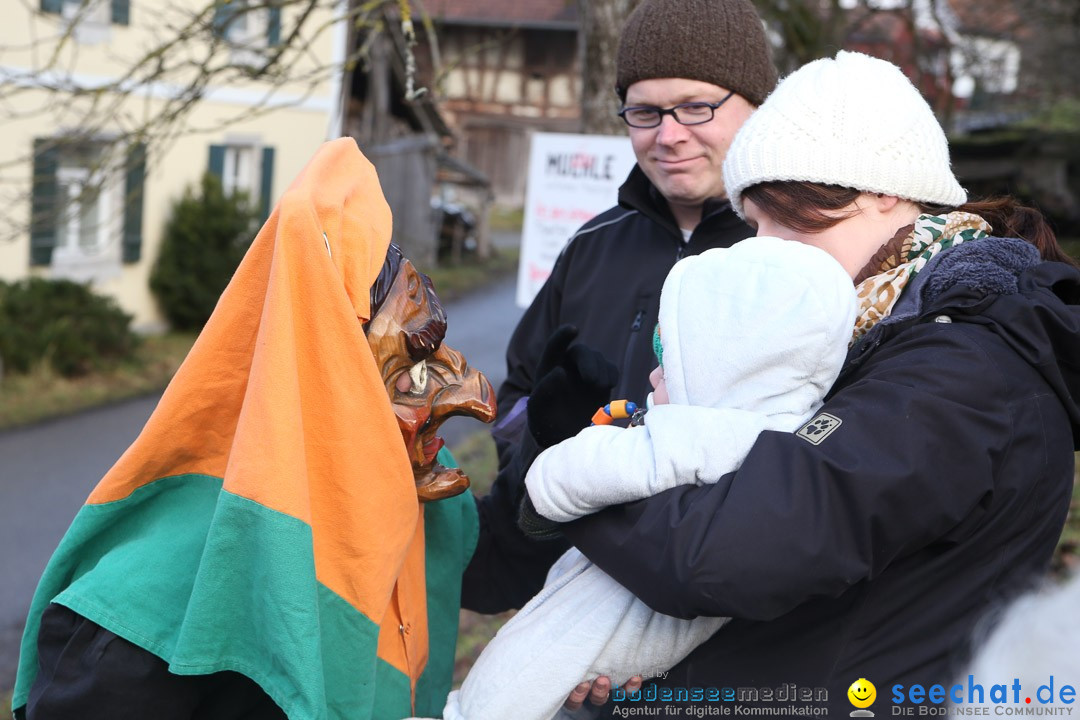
<point>455,281</point>
<point>42,393</point>
<point>506,218</point>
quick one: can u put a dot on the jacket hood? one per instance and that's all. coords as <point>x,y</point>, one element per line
<point>1033,305</point>
<point>761,326</point>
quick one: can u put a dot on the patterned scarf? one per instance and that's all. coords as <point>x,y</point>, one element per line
<point>880,283</point>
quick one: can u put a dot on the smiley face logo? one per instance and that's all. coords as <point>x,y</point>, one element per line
<point>862,693</point>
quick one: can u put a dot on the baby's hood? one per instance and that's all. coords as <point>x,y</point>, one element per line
<point>761,326</point>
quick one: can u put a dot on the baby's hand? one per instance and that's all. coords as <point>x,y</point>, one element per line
<point>598,691</point>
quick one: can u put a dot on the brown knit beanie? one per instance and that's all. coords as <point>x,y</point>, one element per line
<point>715,41</point>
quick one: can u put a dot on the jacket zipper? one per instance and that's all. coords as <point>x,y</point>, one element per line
<point>681,244</point>
<point>635,328</point>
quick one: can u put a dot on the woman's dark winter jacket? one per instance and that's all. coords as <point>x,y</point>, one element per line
<point>931,488</point>
<point>607,283</point>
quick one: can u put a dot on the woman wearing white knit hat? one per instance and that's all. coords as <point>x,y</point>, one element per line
<point>933,483</point>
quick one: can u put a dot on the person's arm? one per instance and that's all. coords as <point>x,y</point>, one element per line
<point>678,445</point>
<point>912,457</point>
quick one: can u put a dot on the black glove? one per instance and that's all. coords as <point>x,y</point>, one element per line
<point>536,525</point>
<point>571,383</point>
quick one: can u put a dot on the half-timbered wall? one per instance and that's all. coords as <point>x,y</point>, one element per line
<point>501,85</point>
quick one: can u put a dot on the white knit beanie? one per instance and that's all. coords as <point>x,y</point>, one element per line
<point>854,121</point>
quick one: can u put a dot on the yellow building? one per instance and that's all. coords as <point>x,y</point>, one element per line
<point>110,108</point>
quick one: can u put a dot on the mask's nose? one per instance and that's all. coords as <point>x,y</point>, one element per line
<point>466,392</point>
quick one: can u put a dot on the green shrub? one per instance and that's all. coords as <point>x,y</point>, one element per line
<point>205,238</point>
<point>62,323</point>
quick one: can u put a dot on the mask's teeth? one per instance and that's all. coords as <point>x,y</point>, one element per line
<point>418,374</point>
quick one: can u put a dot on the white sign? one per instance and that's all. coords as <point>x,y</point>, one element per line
<point>572,178</point>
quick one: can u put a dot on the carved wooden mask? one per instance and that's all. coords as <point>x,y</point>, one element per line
<point>427,381</point>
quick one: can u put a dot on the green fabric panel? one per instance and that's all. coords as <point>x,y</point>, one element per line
<point>467,506</point>
<point>349,644</point>
<point>211,581</point>
<point>451,529</point>
<point>392,702</point>
<point>98,528</point>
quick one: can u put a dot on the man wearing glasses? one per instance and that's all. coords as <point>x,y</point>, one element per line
<point>690,72</point>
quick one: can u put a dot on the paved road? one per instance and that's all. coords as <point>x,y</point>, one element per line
<point>46,471</point>
<point>481,333</point>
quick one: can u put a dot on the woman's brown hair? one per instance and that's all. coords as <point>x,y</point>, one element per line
<point>813,207</point>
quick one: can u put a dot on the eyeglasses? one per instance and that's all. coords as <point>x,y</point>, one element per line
<point>693,113</point>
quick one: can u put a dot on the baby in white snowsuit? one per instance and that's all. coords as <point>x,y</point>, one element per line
<point>753,337</point>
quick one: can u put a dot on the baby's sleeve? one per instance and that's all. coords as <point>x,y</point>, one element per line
<point>606,465</point>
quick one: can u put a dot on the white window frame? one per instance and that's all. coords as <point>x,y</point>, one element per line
<point>91,20</point>
<point>240,174</point>
<point>101,259</point>
<point>248,41</point>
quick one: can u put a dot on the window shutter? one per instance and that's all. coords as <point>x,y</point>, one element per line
<point>52,6</point>
<point>224,11</point>
<point>44,205</point>
<point>217,161</point>
<point>273,26</point>
<point>266,190</point>
<point>133,203</point>
<point>121,10</point>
